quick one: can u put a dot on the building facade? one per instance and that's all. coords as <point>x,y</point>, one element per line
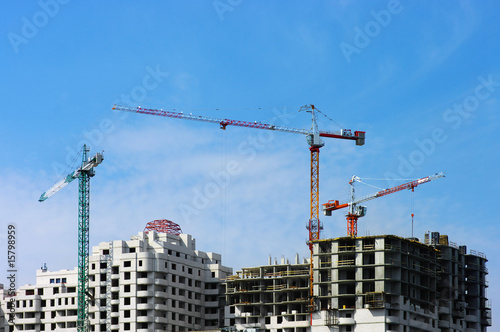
<point>273,297</point>
<point>463,284</point>
<point>373,283</point>
<point>153,282</point>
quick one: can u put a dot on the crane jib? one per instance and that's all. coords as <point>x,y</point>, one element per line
<point>222,122</point>
<point>335,205</point>
<point>258,125</point>
<point>358,136</point>
<point>409,185</point>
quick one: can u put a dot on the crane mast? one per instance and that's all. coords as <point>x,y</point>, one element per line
<point>356,211</point>
<point>314,227</point>
<point>83,174</point>
<point>314,140</point>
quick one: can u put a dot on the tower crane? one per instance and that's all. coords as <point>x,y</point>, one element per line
<point>83,174</point>
<point>356,211</point>
<point>314,140</point>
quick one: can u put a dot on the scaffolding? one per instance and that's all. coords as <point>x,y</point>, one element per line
<point>374,299</point>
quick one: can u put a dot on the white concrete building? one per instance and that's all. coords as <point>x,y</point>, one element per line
<point>153,282</point>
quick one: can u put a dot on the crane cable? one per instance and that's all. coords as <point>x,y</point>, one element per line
<point>378,179</point>
<point>412,199</point>
<point>223,207</point>
<point>369,185</point>
<point>271,120</point>
<point>412,208</point>
<point>219,109</point>
<point>339,125</point>
<point>69,167</point>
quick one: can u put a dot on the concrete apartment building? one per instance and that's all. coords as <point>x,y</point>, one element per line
<point>153,282</point>
<point>372,283</point>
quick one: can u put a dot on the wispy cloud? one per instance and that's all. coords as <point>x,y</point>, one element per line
<point>456,26</point>
<point>147,173</point>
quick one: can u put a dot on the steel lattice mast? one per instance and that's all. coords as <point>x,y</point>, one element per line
<point>83,174</point>
<point>83,244</point>
<point>313,139</point>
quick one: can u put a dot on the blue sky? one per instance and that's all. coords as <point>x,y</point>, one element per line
<point>420,78</point>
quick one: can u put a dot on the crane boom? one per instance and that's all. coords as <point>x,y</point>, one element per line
<point>358,136</point>
<point>335,205</point>
<point>86,166</point>
<point>58,186</point>
<point>409,185</point>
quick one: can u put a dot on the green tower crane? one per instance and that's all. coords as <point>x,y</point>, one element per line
<point>83,174</point>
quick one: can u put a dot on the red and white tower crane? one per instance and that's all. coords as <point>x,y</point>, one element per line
<point>356,211</point>
<point>314,140</point>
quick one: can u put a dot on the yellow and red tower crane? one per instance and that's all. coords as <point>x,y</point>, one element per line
<point>314,140</point>
<point>356,211</point>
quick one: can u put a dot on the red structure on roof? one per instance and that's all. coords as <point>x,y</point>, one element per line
<point>163,226</point>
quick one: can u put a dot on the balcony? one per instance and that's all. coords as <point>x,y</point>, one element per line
<point>420,325</point>
<point>145,281</point>
<point>145,293</point>
<point>472,318</point>
<point>442,309</point>
<point>444,324</point>
<point>346,321</point>
<point>161,294</point>
<point>392,320</point>
<point>30,320</point>
<point>145,306</point>
<point>161,282</point>
<point>144,319</point>
<point>346,262</point>
<point>162,320</point>
<point>161,307</point>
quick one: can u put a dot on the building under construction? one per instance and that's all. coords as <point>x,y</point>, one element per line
<point>373,283</point>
